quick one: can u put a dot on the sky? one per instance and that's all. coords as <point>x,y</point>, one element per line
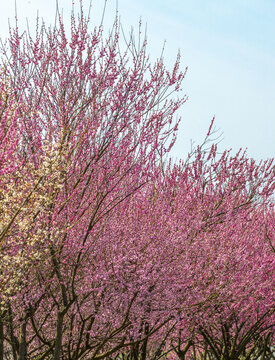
<point>228,46</point>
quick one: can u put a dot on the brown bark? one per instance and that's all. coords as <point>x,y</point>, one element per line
<point>1,338</point>
<point>22,341</point>
<point>58,338</point>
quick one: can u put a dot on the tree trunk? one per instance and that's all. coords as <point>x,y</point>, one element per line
<point>145,342</point>
<point>58,339</point>
<point>22,341</point>
<point>14,341</point>
<point>1,338</point>
<point>181,353</point>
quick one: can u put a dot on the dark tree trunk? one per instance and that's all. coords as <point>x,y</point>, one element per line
<point>1,338</point>
<point>13,339</point>
<point>58,339</point>
<point>23,341</point>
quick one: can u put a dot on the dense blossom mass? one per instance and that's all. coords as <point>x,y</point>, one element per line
<point>109,250</point>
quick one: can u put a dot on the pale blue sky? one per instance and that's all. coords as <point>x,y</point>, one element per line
<point>229,47</point>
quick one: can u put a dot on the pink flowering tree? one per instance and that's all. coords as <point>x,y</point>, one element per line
<point>107,253</point>
<point>232,254</point>
<point>94,122</point>
<point>202,239</point>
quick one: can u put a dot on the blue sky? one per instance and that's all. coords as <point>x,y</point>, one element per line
<point>229,48</point>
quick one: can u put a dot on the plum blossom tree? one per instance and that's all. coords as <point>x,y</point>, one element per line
<point>21,198</point>
<point>88,135</point>
<point>106,253</point>
<point>211,223</point>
